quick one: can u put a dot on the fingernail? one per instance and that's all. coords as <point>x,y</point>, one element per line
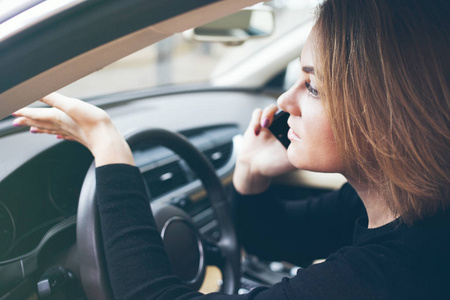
<point>59,137</point>
<point>14,114</point>
<point>16,125</point>
<point>257,131</point>
<point>265,123</point>
<point>33,130</point>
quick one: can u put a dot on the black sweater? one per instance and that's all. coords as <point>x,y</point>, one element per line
<point>390,262</point>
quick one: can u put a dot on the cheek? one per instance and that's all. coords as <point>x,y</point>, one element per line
<point>317,150</point>
<point>325,133</point>
<point>316,126</point>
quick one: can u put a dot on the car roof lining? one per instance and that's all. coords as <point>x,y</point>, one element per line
<point>75,68</point>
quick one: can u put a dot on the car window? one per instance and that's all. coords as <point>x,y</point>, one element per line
<point>176,60</point>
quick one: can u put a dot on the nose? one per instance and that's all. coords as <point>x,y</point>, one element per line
<point>289,100</point>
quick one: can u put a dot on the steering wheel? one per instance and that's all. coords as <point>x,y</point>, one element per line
<point>225,253</point>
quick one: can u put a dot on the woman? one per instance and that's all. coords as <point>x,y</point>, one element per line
<point>372,102</point>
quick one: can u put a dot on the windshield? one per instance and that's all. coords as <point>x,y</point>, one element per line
<point>176,60</point>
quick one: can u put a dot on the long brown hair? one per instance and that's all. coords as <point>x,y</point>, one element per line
<point>384,69</point>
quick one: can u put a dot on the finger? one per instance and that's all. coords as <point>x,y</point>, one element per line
<point>84,114</point>
<point>66,137</point>
<point>24,121</point>
<point>255,123</point>
<point>59,134</point>
<point>267,115</point>
<point>34,129</point>
<point>61,102</point>
<point>76,109</point>
<point>69,106</point>
<point>39,114</point>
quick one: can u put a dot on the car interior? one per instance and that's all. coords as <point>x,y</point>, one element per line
<point>44,182</point>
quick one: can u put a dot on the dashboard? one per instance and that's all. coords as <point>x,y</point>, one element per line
<point>54,184</point>
<point>40,195</point>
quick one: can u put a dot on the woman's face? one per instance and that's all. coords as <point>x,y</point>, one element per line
<point>313,146</point>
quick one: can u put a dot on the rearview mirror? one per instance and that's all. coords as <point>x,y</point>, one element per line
<point>237,28</point>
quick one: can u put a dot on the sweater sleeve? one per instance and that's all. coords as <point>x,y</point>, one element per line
<point>137,263</point>
<point>298,230</point>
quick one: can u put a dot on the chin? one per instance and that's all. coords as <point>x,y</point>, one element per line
<point>313,160</point>
<point>294,153</point>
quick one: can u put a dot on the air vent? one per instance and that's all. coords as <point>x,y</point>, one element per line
<point>219,155</point>
<point>165,178</point>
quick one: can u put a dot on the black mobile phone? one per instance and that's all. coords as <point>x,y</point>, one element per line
<point>280,128</point>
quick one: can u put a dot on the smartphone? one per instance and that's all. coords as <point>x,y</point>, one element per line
<point>280,128</point>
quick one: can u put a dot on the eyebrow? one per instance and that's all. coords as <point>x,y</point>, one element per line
<point>308,70</point>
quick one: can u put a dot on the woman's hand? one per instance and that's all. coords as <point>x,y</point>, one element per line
<point>73,119</point>
<point>261,156</point>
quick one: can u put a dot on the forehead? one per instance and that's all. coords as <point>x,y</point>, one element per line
<point>306,58</point>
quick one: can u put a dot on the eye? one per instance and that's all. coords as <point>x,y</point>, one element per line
<point>312,91</point>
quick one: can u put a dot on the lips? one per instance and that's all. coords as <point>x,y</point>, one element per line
<point>293,136</point>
